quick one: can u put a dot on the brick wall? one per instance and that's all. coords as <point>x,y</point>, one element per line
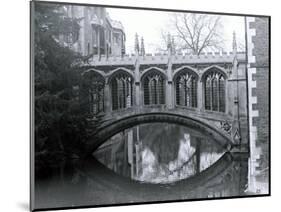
<point>258,102</point>
<point>261,53</point>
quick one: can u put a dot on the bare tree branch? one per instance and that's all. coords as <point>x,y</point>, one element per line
<point>196,32</point>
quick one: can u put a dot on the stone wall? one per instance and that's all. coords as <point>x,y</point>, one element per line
<point>261,41</point>
<point>258,85</point>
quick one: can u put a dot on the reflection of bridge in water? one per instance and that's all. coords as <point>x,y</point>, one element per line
<point>100,186</point>
<point>208,92</point>
<point>159,152</point>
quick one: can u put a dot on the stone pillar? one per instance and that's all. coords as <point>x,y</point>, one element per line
<point>236,132</point>
<point>234,81</point>
<point>137,75</point>
<point>137,82</point>
<point>198,154</point>
<point>200,95</point>
<point>107,99</point>
<point>99,42</point>
<point>104,41</point>
<point>169,91</point>
<point>137,94</point>
<point>169,95</point>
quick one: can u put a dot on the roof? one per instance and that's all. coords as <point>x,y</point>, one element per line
<point>115,24</point>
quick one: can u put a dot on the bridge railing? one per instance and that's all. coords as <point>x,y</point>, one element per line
<point>180,110</point>
<point>208,57</point>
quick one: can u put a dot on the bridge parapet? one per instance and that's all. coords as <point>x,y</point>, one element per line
<point>208,123</point>
<point>210,57</point>
<point>188,112</point>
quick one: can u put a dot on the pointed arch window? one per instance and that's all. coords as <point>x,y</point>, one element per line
<point>214,85</point>
<point>154,88</point>
<point>121,91</point>
<point>186,89</point>
<point>96,93</point>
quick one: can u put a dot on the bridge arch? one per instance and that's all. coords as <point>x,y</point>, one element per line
<point>185,86</point>
<point>214,81</point>
<point>92,87</point>
<point>145,72</point>
<point>213,68</point>
<point>92,70</point>
<point>118,70</point>
<point>187,69</point>
<point>153,85</point>
<point>121,86</point>
<point>106,131</point>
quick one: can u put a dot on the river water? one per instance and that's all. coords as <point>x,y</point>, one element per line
<point>159,153</point>
<point>152,162</point>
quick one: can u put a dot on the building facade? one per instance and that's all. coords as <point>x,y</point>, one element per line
<point>258,91</point>
<point>98,34</point>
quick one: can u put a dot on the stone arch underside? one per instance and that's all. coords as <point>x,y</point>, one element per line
<point>111,128</point>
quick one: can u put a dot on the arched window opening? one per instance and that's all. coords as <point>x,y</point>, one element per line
<point>214,85</point>
<point>121,91</point>
<point>154,89</point>
<point>96,93</point>
<point>222,94</point>
<point>186,90</point>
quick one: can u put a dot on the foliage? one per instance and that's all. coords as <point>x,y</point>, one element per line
<point>60,125</point>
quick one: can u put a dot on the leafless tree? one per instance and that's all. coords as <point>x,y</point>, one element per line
<point>196,32</point>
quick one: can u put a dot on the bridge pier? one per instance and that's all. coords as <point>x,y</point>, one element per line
<point>107,102</point>
<point>170,95</point>
<point>137,94</point>
<point>200,96</point>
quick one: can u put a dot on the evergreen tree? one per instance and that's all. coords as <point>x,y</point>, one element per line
<point>60,125</point>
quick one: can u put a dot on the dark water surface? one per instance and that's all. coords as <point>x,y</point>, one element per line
<point>146,163</point>
<point>159,153</point>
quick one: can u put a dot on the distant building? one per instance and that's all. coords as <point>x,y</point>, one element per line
<point>98,35</point>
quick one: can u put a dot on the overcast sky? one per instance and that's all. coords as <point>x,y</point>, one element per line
<point>149,24</point>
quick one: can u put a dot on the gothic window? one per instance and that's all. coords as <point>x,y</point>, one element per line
<point>88,48</point>
<point>121,91</point>
<point>102,41</point>
<point>214,85</point>
<point>154,88</point>
<point>96,93</point>
<point>94,37</point>
<point>186,89</point>
<point>222,93</point>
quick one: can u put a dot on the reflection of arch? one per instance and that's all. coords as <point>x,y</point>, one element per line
<point>121,82</point>
<point>111,128</point>
<point>153,82</point>
<point>214,81</point>
<point>186,81</point>
<point>210,177</point>
<point>93,85</point>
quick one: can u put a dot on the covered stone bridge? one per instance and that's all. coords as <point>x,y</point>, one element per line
<point>206,91</point>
